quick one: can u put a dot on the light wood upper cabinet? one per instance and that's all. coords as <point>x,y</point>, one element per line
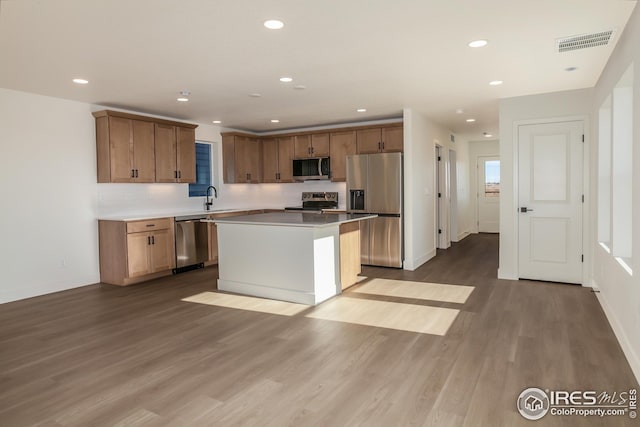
<point>143,151</point>
<point>134,148</point>
<point>125,150</point>
<point>186,154</point>
<point>320,145</point>
<point>166,169</point>
<point>277,159</point>
<point>393,139</point>
<point>380,140</point>
<point>175,154</point>
<point>274,154</point>
<point>314,145</point>
<point>342,145</point>
<point>241,159</point>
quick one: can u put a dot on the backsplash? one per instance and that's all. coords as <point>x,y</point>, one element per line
<point>117,199</point>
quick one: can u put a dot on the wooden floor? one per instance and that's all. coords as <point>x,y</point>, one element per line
<point>139,356</point>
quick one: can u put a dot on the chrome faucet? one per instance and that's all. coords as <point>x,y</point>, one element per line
<point>209,202</point>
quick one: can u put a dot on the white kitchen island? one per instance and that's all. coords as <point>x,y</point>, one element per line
<point>291,256</point>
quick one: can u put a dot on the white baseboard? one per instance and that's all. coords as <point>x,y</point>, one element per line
<point>506,276</point>
<point>618,330</point>
<point>463,235</point>
<point>414,264</point>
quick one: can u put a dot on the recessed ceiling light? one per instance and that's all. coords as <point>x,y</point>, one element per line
<point>255,95</point>
<point>274,24</point>
<point>217,122</point>
<point>478,43</point>
<point>471,120</point>
<point>81,81</point>
<point>459,111</point>
<point>487,135</point>
<point>571,68</point>
<point>496,82</point>
<point>286,79</point>
<point>300,87</point>
<point>361,110</point>
<point>275,121</point>
<point>184,96</point>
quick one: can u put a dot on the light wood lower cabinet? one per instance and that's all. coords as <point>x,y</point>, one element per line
<point>350,266</point>
<point>135,251</point>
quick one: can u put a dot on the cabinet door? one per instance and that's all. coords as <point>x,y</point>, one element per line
<point>242,161</point>
<point>270,156</point>
<point>186,154</point>
<point>369,141</point>
<point>285,159</point>
<point>120,149</point>
<point>144,156</point>
<point>138,254</point>
<point>342,145</point>
<point>302,146</point>
<point>161,251</point>
<point>255,160</point>
<point>228,159</point>
<point>320,145</point>
<point>166,168</point>
<point>392,139</point>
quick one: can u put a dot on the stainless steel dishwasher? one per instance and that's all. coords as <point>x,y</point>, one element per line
<point>192,242</point>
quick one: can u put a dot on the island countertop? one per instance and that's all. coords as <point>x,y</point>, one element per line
<point>293,219</point>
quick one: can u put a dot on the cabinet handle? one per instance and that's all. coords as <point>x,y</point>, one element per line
<point>132,173</point>
<point>150,225</point>
<point>311,149</point>
<point>136,173</point>
<point>148,240</point>
<point>179,174</point>
<point>153,240</point>
<point>383,145</point>
<point>175,174</point>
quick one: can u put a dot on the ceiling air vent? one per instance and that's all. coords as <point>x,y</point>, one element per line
<point>584,41</point>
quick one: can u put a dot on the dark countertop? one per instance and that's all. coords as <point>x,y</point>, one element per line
<point>293,219</point>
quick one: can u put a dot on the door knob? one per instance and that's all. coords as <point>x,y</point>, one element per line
<point>525,210</point>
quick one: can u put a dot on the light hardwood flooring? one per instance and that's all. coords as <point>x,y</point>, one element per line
<point>140,356</point>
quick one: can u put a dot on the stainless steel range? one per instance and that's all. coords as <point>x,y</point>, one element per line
<point>316,201</point>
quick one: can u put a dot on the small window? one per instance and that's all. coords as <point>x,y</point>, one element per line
<point>492,178</point>
<point>203,171</point>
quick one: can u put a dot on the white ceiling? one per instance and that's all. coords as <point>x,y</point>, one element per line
<point>381,55</point>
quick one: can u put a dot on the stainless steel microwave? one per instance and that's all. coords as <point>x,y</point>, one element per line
<point>315,168</point>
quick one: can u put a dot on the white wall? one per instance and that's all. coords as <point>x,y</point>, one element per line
<point>420,138</point>
<point>620,292</point>
<point>49,237</point>
<point>513,111</point>
<point>477,149</point>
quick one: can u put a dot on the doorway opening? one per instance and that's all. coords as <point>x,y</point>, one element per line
<point>488,194</point>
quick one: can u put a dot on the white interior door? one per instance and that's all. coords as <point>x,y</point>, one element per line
<point>488,194</point>
<point>550,201</point>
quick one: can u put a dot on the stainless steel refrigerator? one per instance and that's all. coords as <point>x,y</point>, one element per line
<point>374,185</point>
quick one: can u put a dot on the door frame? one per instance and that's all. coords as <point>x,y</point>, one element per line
<point>586,172</point>
<point>441,204</point>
